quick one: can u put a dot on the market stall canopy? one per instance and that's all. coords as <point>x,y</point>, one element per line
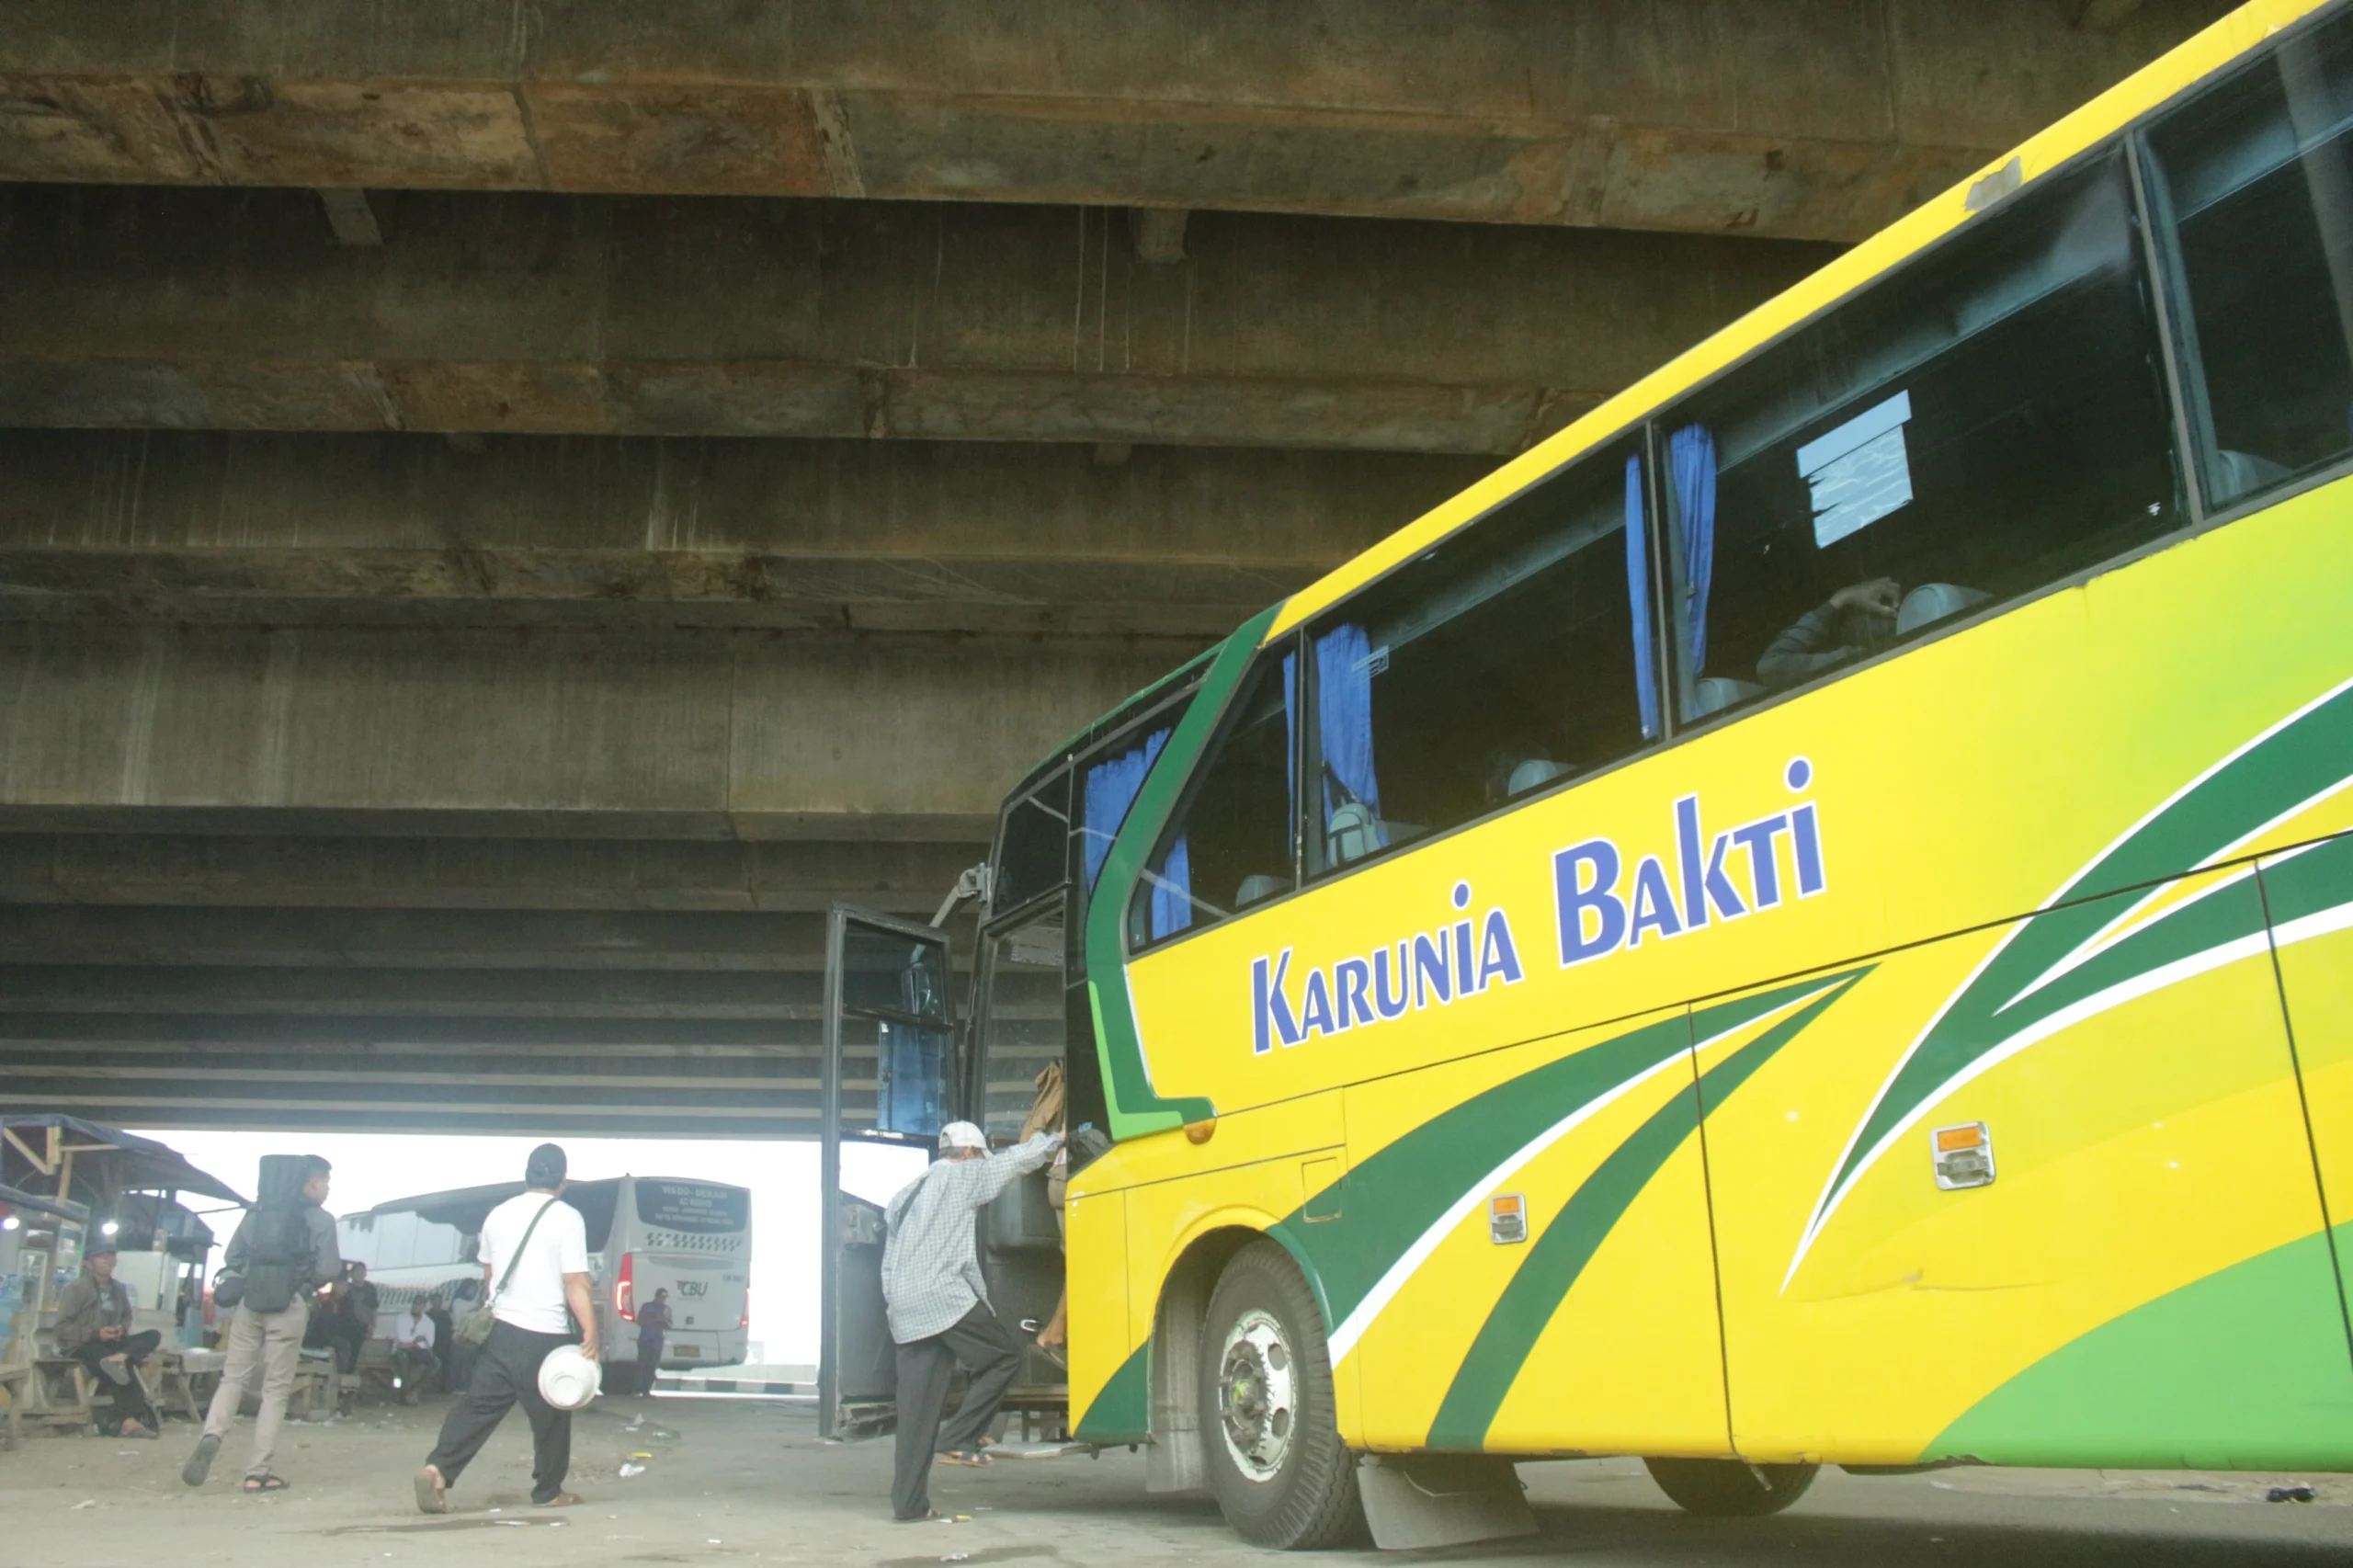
<point>103,1163</point>
<point>15,1198</point>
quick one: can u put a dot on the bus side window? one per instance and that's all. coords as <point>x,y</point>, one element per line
<point>1230,845</point>
<point>1981,423</point>
<point>2256,177</point>
<point>1511,655</point>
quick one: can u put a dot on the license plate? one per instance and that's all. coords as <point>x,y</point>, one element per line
<point>685,1350</point>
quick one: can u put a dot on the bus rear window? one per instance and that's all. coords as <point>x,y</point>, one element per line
<point>702,1208</point>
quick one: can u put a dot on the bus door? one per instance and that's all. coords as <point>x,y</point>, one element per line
<point>888,1071</point>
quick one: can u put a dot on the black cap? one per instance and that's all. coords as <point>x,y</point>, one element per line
<point>99,1246</point>
<point>546,1166</point>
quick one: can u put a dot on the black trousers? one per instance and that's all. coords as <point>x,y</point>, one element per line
<point>417,1371</point>
<point>131,1402</point>
<point>980,1343</point>
<point>649,1364</point>
<point>507,1371</point>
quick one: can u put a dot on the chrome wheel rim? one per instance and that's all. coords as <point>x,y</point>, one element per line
<point>1257,1395</point>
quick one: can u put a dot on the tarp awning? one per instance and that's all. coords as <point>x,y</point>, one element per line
<point>130,1163</point>
<point>19,1199</point>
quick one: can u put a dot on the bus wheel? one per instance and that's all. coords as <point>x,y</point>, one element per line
<point>1276,1463</point>
<point>1726,1489</point>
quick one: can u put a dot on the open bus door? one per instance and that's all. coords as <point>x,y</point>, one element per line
<point>888,1075</point>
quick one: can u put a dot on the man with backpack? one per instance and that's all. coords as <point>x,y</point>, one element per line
<point>535,1261</point>
<point>283,1251</point>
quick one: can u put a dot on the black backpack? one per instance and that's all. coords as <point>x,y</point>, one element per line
<point>278,1253</point>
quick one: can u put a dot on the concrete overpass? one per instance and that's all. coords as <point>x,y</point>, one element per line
<point>505,513</point>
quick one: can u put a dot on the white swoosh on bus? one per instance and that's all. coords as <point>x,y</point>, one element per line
<point>2121,927</point>
<point>1833,1191</point>
<point>1352,1328</point>
<point>2320,923</point>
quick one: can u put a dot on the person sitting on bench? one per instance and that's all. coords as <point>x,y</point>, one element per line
<point>94,1328</point>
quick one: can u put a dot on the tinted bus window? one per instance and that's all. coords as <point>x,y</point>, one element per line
<point>1510,657</point>
<point>1983,423</point>
<point>704,1208</point>
<point>1109,781</point>
<point>1034,852</point>
<point>2257,178</point>
<point>1230,845</point>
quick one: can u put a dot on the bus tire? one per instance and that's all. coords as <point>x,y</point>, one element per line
<point>1728,1489</point>
<point>1269,1429</point>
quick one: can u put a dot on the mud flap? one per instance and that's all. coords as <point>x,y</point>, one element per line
<point>1412,1501</point>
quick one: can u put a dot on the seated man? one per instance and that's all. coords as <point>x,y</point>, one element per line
<point>413,1362</point>
<point>94,1328</point>
<point>1860,621</point>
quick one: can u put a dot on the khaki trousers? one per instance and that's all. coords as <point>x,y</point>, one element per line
<point>267,1345</point>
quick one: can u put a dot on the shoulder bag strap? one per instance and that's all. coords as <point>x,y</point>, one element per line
<point>500,1288</point>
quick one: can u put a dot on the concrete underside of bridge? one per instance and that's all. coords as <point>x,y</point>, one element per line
<point>507,514</point>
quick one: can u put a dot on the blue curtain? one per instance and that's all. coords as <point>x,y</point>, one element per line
<point>1172,895</point>
<point>1692,453</point>
<point>1344,713</point>
<point>1111,787</point>
<point>1290,738</point>
<point>1638,599</point>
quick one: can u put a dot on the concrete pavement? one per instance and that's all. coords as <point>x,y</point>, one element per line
<point>749,1480</point>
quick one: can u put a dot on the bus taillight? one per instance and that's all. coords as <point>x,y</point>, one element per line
<point>625,1290</point>
<point>745,1321</point>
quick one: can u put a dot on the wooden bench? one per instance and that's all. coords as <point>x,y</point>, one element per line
<point>13,1380</point>
<point>60,1396</point>
<point>180,1390</point>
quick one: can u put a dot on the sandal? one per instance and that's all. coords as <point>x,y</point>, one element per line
<point>256,1484</point>
<point>432,1492</point>
<point>975,1460</point>
<point>561,1500</point>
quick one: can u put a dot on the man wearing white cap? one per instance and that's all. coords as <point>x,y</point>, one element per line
<point>940,1308</point>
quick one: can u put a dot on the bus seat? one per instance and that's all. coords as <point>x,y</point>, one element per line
<point>1933,602</point>
<point>1714,694</point>
<point>1257,889</point>
<point>1021,1218</point>
<point>1534,774</point>
<point>1352,834</point>
<point>2244,473</point>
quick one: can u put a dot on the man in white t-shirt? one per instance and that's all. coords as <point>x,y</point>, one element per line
<point>413,1362</point>
<point>535,1264</point>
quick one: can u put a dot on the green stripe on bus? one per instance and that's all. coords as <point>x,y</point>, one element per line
<point>1122,1409</point>
<point>1132,1101</point>
<point>1402,1189</point>
<point>2271,778</point>
<point>1560,1254</point>
<point>2244,1370</point>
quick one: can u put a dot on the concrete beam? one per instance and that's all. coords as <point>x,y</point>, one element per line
<point>447,939</point>
<point>571,735</point>
<point>1820,119</point>
<point>671,996</point>
<point>565,315</point>
<point>288,873</point>
<point>399,529</point>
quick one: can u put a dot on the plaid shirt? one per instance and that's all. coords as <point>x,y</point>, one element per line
<point>931,1277</point>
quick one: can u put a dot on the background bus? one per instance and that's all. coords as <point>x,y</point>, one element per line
<point>645,1233</point>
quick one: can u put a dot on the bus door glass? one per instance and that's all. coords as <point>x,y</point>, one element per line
<point>1021,1029</point>
<point>886,1086</point>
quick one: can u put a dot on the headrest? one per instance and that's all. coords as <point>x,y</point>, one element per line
<point>1257,890</point>
<point>1534,774</point>
<point>1933,602</point>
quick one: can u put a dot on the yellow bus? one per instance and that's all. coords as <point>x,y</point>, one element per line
<point>1807,919</point>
